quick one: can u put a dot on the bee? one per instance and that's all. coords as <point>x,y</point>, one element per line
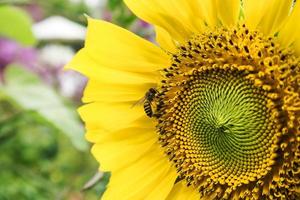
<point>147,101</point>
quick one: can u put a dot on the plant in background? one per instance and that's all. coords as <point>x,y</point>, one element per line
<point>12,52</point>
<point>221,114</point>
<point>41,136</point>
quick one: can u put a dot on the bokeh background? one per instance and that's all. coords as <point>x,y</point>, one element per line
<point>43,153</point>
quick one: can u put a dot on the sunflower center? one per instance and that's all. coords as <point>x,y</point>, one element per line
<point>221,109</point>
<point>223,126</point>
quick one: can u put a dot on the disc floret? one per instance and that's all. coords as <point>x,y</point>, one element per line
<point>228,115</point>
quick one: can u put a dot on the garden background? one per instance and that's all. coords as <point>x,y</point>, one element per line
<point>43,153</point>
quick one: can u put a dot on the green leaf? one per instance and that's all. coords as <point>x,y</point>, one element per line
<point>16,24</point>
<point>30,94</point>
<point>113,4</point>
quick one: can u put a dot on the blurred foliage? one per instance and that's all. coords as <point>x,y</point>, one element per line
<point>18,25</point>
<point>117,9</point>
<point>43,151</point>
<point>35,96</point>
<point>65,8</point>
<point>38,162</point>
<point>120,13</point>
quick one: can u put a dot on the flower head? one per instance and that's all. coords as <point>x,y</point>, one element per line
<point>221,108</point>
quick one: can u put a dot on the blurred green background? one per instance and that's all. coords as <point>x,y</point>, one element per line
<point>43,153</point>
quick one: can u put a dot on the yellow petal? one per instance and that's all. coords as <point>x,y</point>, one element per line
<point>110,46</point>
<point>180,191</point>
<point>164,186</point>
<point>296,45</point>
<point>291,29</point>
<point>96,134</point>
<point>194,10</point>
<point>254,11</point>
<point>175,16</point>
<point>151,177</point>
<point>86,65</point>
<point>115,92</point>
<point>208,8</point>
<point>275,16</point>
<point>143,121</point>
<point>116,150</point>
<point>228,11</point>
<point>111,116</point>
<point>164,40</point>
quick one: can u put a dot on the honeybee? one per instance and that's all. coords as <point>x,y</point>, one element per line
<point>147,101</point>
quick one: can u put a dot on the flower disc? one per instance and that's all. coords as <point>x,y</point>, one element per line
<point>227,131</point>
<point>222,113</point>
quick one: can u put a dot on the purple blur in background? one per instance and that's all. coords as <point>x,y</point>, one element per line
<point>13,52</point>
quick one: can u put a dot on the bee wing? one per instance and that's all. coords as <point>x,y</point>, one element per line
<point>139,102</point>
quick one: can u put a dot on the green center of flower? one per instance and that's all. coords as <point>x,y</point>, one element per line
<point>226,114</point>
<point>221,127</point>
<point>227,131</point>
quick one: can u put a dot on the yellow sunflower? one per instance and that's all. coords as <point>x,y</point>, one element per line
<point>220,117</point>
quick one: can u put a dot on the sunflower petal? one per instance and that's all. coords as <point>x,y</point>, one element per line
<point>208,9</point>
<point>112,147</point>
<point>163,188</point>
<point>254,12</point>
<point>228,11</point>
<point>291,29</point>
<point>175,16</point>
<point>181,191</point>
<point>85,64</point>
<point>275,16</point>
<point>110,116</point>
<point>297,46</point>
<point>164,40</point>
<point>114,92</point>
<point>96,134</point>
<point>113,47</point>
<point>151,177</point>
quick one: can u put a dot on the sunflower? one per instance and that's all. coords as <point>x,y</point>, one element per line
<point>220,112</point>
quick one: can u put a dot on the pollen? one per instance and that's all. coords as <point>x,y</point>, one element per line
<point>228,113</point>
